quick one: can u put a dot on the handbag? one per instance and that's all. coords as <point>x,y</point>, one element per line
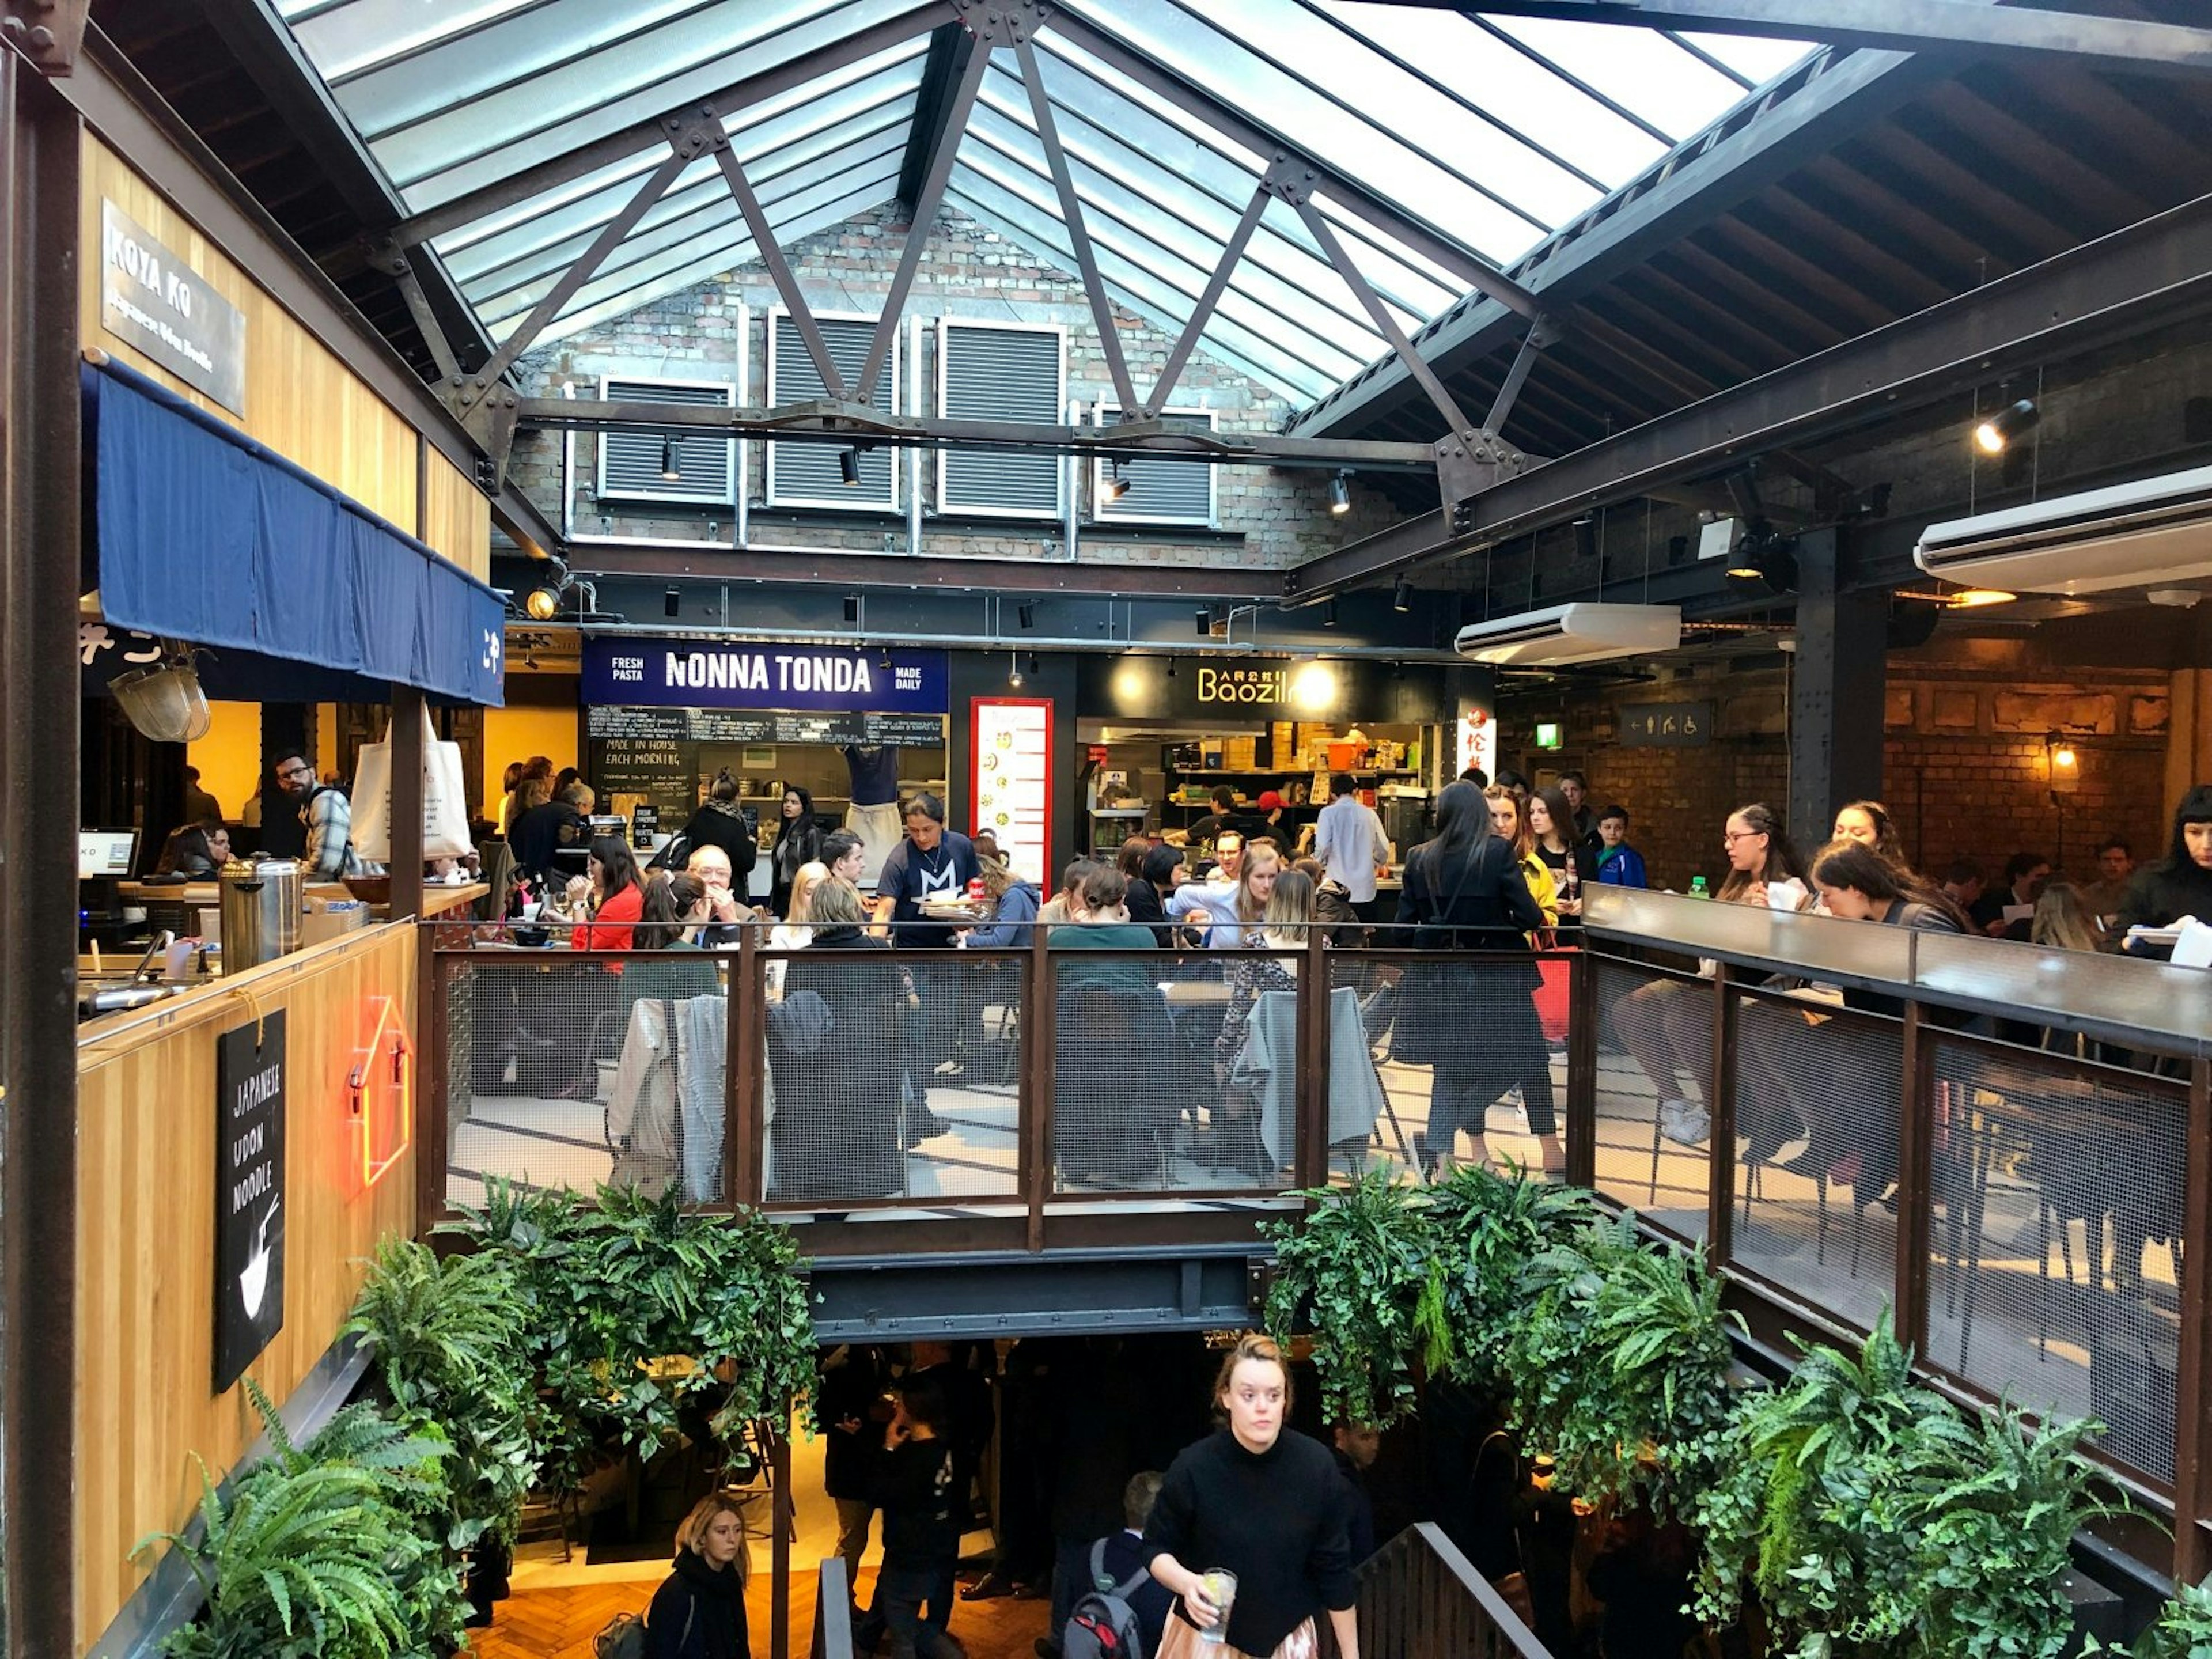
<point>1554,978</point>
<point>445,798</point>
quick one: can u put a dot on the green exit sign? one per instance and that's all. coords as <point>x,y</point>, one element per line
<point>1547,735</point>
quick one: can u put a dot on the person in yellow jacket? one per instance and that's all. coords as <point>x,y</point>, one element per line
<point>1509,818</point>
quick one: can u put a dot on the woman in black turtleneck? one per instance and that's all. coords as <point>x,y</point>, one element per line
<point>1267,1504</point>
<point>699,1612</point>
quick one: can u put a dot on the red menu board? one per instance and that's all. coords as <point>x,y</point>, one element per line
<point>1012,780</point>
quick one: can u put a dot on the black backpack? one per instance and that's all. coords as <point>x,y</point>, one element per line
<point>1102,1625</point>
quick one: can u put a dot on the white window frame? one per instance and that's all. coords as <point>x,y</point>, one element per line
<point>1058,511</point>
<point>733,473</point>
<point>1101,512</point>
<point>770,494</point>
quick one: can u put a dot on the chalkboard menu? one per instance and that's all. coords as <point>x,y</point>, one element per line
<point>249,1188</point>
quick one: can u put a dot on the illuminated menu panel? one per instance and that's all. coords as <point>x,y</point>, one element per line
<point>1012,791</point>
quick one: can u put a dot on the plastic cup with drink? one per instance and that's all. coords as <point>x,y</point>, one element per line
<point>1218,1585</point>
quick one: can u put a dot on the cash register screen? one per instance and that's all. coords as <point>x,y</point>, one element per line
<point>104,853</point>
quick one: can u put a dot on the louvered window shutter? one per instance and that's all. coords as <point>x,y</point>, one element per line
<point>1160,492</point>
<point>806,475</point>
<point>989,372</point>
<point>631,463</point>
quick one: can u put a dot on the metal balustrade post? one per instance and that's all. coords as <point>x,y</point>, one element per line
<point>1309,1096</point>
<point>1583,1017</point>
<point>1033,1114</point>
<point>780,1509</point>
<point>1915,1166</point>
<point>2192,1395</point>
<point>744,1151</point>
<point>1720,1197</point>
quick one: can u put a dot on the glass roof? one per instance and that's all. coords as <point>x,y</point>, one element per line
<point>1489,134</point>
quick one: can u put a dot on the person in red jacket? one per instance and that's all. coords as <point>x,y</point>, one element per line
<point>610,896</point>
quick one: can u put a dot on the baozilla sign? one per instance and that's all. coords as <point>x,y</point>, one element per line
<point>715,674</point>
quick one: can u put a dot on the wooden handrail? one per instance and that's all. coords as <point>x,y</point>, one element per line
<point>1420,1595</point>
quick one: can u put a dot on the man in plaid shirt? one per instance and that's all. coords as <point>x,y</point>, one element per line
<point>328,816</point>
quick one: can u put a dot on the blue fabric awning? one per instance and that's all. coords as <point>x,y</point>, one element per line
<point>206,536</point>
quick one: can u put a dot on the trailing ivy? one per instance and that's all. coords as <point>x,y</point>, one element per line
<point>1619,1365</point>
<point>1359,1268</point>
<point>639,1312</point>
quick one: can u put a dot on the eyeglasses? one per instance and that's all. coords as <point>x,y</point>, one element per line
<point>296,772</point>
<point>1732,836</point>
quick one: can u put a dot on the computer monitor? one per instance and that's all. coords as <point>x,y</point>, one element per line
<point>106,853</point>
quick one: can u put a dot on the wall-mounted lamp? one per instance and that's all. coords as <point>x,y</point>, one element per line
<point>1992,435</point>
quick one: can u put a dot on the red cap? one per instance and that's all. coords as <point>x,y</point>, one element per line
<point>1269,800</point>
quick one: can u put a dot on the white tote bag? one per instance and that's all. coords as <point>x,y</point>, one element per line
<point>445,799</point>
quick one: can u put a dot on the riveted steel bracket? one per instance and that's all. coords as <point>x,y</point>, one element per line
<point>48,33</point>
<point>1002,22</point>
<point>1468,463</point>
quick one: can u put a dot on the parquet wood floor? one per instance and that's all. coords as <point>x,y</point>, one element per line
<point>559,1621</point>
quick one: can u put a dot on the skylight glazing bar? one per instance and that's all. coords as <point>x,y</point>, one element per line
<point>779,269</point>
<point>1204,309</point>
<point>1573,80</point>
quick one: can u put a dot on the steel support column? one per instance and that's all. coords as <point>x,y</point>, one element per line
<point>1836,691</point>
<point>39,743</point>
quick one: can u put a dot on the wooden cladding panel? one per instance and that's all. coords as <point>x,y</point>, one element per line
<point>456,520</point>
<point>302,400</point>
<point>146,1222</point>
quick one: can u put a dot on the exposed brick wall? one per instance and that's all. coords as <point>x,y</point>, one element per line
<point>1965,770</point>
<point>1271,518</point>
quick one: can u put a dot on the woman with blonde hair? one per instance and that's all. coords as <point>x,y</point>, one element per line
<point>2061,919</point>
<point>793,933</point>
<point>1509,820</point>
<point>1251,1530</point>
<point>699,1611</point>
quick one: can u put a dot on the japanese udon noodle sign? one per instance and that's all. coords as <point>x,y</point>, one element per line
<point>249,1193</point>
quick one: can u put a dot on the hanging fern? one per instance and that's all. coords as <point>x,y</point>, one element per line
<point>1357,1266</point>
<point>1486,1228</point>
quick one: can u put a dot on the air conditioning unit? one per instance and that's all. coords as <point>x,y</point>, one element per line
<point>1572,633</point>
<point>2158,531</point>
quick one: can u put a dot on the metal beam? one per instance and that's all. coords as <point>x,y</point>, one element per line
<point>1070,208</point>
<point>779,268</point>
<point>834,568</point>
<point>993,30</point>
<point>890,1298</point>
<point>2109,43</point>
<point>2119,286</point>
<point>1202,312</point>
<point>1699,182</point>
<point>825,421</point>
<point>639,136</point>
<point>1271,146</point>
<point>949,48</point>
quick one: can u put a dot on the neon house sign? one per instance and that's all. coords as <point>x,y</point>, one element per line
<point>380,1091</point>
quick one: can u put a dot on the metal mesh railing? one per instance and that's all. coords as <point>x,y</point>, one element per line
<point>567,1071</point>
<point>1654,1086</point>
<point>892,1076</point>
<point>2059,1187</point>
<point>1452,1057</point>
<point>1819,1093</point>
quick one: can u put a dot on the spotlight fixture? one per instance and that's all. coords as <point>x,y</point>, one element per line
<point>1761,555</point>
<point>1401,595</point>
<point>1202,621</point>
<point>1170,667</point>
<point>671,468</point>
<point>1033,662</point>
<point>1992,435</point>
<point>848,467</point>
<point>1014,669</point>
<point>544,604</point>
<point>671,602</point>
<point>884,662</point>
<point>1113,486</point>
<point>1968,599</point>
<point>1586,538</point>
<point>1340,495</point>
<point>851,607</point>
<point>1329,613</point>
<point>1027,613</point>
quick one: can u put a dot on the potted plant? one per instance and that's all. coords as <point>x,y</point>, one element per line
<point>1355,1269</point>
<point>1486,1229</point>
